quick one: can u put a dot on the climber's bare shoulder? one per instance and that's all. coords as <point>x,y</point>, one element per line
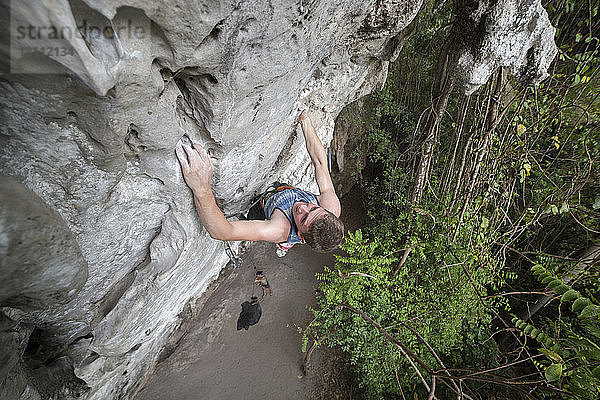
<point>275,230</point>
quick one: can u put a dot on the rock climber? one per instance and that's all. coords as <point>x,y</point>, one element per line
<point>286,215</point>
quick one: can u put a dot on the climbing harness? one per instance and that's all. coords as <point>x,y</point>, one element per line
<point>235,259</point>
<point>242,214</point>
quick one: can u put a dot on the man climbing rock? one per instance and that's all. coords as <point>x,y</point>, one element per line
<point>285,215</point>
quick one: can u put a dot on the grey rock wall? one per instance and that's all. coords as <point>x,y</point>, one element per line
<point>115,253</point>
<point>516,34</point>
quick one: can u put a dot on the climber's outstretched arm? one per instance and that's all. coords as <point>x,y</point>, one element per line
<point>327,197</point>
<point>219,228</point>
<point>197,171</point>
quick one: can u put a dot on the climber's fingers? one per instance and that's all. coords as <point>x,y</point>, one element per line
<point>193,156</point>
<point>183,161</point>
<point>303,115</point>
<point>203,154</point>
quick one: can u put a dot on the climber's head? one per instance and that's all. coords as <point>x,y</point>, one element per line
<point>322,230</point>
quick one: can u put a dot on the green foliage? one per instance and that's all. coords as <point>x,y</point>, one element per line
<point>555,140</point>
<point>572,346</point>
<point>440,291</point>
<point>536,188</point>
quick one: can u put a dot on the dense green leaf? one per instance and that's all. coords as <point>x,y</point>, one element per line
<point>555,283</point>
<point>553,372</point>
<point>561,289</point>
<point>579,304</point>
<point>570,295</point>
<point>552,355</point>
<point>545,276</point>
<point>541,337</point>
<point>547,279</point>
<point>590,311</point>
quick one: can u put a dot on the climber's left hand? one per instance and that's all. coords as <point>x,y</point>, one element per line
<point>196,166</point>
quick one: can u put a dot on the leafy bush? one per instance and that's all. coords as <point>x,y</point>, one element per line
<point>571,345</point>
<point>440,291</point>
<point>496,196</point>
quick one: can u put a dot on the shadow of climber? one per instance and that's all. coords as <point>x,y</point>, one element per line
<point>250,314</point>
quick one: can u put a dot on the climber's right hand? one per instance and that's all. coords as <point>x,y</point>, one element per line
<point>196,166</point>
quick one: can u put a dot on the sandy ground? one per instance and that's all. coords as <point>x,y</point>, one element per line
<point>216,361</point>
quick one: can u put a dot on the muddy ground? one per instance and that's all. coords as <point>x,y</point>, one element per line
<point>215,361</point>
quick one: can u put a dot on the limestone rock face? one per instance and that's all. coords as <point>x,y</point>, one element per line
<point>88,136</point>
<point>34,240</point>
<point>516,34</point>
